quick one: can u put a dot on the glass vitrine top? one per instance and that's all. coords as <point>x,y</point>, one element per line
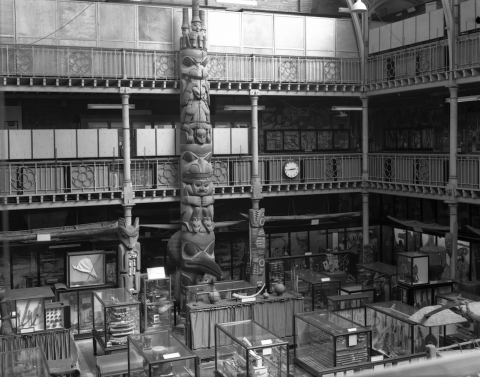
<point>24,362</point>
<point>395,309</point>
<point>382,268</point>
<point>115,296</point>
<point>314,277</point>
<point>159,346</point>
<point>331,323</point>
<point>250,334</point>
<point>356,296</point>
<point>220,286</point>
<point>459,296</point>
<point>413,254</point>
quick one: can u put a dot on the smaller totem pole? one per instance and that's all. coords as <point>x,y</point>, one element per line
<point>257,242</point>
<point>129,256</point>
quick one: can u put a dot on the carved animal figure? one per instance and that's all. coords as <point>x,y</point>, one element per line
<point>129,255</point>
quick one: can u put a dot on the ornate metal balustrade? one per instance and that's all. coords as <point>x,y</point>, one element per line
<point>419,64</point>
<point>468,52</point>
<point>159,177</point>
<point>102,63</point>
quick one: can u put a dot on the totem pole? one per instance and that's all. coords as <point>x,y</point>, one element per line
<point>129,255</point>
<point>257,244</point>
<point>192,248</point>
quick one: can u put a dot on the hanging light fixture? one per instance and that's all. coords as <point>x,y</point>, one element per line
<point>359,7</point>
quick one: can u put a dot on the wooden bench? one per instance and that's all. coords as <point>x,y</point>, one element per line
<point>115,364</point>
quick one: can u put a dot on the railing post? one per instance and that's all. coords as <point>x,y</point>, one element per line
<point>124,64</point>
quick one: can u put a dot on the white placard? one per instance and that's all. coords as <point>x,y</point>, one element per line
<point>171,355</point>
<point>267,351</point>
<point>266,342</point>
<point>352,340</point>
<point>43,237</point>
<point>308,253</point>
<point>315,222</point>
<point>248,299</point>
<point>352,329</point>
<point>156,273</point>
<point>377,358</point>
<point>325,279</point>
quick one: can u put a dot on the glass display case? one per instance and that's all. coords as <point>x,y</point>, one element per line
<point>28,362</point>
<point>351,307</point>
<point>412,268</point>
<point>90,268</point>
<point>423,295</point>
<point>337,275</point>
<point>380,276</point>
<point>156,298</point>
<point>116,315</point>
<point>159,354</point>
<point>458,332</point>
<point>196,293</point>
<point>28,308</point>
<point>314,287</point>
<point>275,273</point>
<point>437,260</point>
<point>352,289</point>
<point>325,340</point>
<point>57,315</point>
<point>393,334</point>
<point>247,349</point>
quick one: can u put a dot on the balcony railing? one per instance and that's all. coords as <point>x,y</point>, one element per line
<point>101,63</point>
<point>427,59</point>
<point>468,51</point>
<point>468,172</point>
<point>88,176</point>
<point>418,169</point>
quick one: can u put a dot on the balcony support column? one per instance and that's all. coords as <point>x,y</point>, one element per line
<point>128,201</point>
<point>364,138</point>
<point>365,219</point>
<point>256,186</point>
<point>453,180</point>
<point>453,207</point>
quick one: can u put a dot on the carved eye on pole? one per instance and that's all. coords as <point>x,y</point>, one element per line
<point>188,61</point>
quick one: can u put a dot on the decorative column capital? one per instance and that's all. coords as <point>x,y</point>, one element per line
<point>124,90</point>
<point>254,92</point>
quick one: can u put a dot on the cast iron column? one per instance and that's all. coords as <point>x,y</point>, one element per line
<point>453,137</point>
<point>256,186</point>
<point>128,201</point>
<point>365,218</point>
<point>453,207</point>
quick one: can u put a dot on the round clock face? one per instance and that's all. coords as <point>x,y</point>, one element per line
<point>291,169</point>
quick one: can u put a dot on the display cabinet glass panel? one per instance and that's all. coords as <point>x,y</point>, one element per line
<point>351,289</point>
<point>28,362</point>
<point>116,315</point>
<point>463,331</point>
<point>156,298</point>
<point>337,275</point>
<point>57,315</point>
<point>86,312</point>
<point>412,268</point>
<point>380,276</point>
<point>275,273</point>
<point>325,340</point>
<point>89,268</point>
<point>52,267</point>
<point>351,307</point>
<point>423,295</point>
<point>72,299</point>
<point>196,293</point>
<point>247,349</point>
<point>393,334</point>
<point>313,286</point>
<point>159,354</point>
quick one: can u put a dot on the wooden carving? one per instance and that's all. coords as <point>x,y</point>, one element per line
<point>129,255</point>
<point>196,237</point>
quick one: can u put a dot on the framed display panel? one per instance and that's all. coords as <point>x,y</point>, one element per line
<point>246,348</point>
<point>325,340</point>
<point>409,138</point>
<point>351,307</point>
<point>116,315</point>
<point>393,334</point>
<point>306,141</point>
<point>57,315</point>
<point>352,289</point>
<point>313,286</point>
<point>412,268</point>
<point>159,354</point>
<point>24,363</point>
<point>156,298</point>
<point>89,268</point>
<point>463,332</point>
<point>196,293</point>
<point>421,296</point>
<point>382,277</point>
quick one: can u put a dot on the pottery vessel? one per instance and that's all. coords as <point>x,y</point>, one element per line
<point>279,289</point>
<point>214,296</point>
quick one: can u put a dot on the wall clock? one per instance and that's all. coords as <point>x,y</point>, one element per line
<point>291,169</point>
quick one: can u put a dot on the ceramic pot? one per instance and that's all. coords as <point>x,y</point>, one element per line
<point>266,295</point>
<point>214,296</point>
<point>279,289</point>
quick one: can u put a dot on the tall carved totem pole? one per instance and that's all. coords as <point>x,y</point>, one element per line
<point>196,239</point>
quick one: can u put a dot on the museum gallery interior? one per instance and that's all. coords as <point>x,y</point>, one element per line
<point>239,188</point>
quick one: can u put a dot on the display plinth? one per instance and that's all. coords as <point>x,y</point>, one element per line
<point>156,298</point>
<point>159,354</point>
<point>382,278</point>
<point>247,349</point>
<point>412,268</point>
<point>29,362</point>
<point>325,340</point>
<point>199,293</point>
<point>116,315</point>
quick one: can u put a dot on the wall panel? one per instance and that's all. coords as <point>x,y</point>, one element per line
<point>20,144</point>
<point>43,144</point>
<point>467,15</point>
<point>409,31</point>
<point>166,141</point>
<point>289,35</point>
<point>422,28</point>
<point>224,29</point>
<point>437,24</point>
<point>155,24</point>
<point>7,23</point>
<point>397,35</point>
<point>257,33</point>
<point>87,143</point>
<point>346,39</point>
<point>117,22</point>
<point>35,18</point>
<point>324,27</point>
<point>374,41</point>
<point>107,142</point>
<point>84,27</point>
<point>385,37</point>
<point>66,143</point>
<point>146,140</point>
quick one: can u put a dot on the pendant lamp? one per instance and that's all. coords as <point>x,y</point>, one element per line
<point>359,7</point>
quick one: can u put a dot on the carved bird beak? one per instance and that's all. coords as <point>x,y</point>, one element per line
<point>206,264</point>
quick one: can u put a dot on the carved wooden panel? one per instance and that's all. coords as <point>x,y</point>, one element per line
<point>346,40</point>
<point>81,28</point>
<point>257,33</point>
<point>289,35</point>
<point>155,24</point>
<point>117,22</point>
<point>320,36</point>
<point>218,37</point>
<point>7,26</point>
<point>35,18</point>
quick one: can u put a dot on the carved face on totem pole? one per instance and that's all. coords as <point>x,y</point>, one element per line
<point>197,239</point>
<point>257,217</point>
<point>128,235</point>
